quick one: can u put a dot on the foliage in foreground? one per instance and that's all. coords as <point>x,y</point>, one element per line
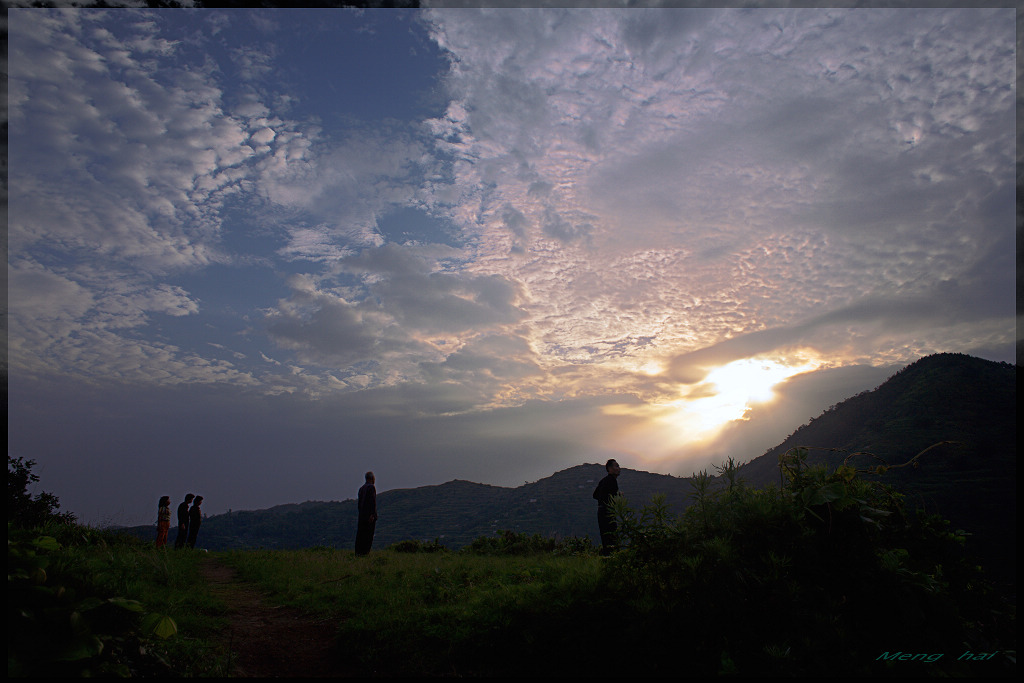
<point>86,602</point>
<point>822,576</point>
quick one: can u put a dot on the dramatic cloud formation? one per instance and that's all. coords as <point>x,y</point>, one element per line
<point>259,252</point>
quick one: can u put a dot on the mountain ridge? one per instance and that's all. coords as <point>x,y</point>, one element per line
<point>942,397</point>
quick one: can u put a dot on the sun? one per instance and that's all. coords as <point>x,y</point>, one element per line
<point>729,391</point>
<point>702,410</point>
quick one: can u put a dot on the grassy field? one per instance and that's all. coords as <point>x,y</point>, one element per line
<point>84,603</point>
<point>435,613</point>
<point>442,614</point>
<point>829,576</point>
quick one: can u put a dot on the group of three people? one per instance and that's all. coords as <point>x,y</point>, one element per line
<point>189,520</point>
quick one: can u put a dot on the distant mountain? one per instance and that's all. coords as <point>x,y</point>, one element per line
<point>944,397</point>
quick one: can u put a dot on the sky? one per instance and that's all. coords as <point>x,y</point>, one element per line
<point>253,254</point>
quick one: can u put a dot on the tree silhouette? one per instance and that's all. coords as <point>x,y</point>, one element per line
<point>24,510</point>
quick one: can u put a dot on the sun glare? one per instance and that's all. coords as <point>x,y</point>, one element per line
<point>741,384</point>
<point>726,395</point>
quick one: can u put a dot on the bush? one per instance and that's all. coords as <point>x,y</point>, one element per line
<point>23,510</point>
<point>412,546</point>
<point>821,576</point>
<point>62,621</point>
<point>517,543</point>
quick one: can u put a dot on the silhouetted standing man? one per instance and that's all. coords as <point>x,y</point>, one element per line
<point>195,518</point>
<point>179,541</point>
<point>607,488</point>
<point>367,515</point>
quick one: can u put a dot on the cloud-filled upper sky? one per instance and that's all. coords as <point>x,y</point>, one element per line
<point>254,253</point>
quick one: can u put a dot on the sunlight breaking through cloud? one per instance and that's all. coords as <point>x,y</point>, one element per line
<point>726,395</point>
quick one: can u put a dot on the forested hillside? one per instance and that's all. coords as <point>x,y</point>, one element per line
<point>966,402</point>
<point>969,405</point>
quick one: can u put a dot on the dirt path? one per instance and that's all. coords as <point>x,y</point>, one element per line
<point>267,641</point>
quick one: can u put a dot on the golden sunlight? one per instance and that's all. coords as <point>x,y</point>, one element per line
<point>735,387</point>
<point>725,396</point>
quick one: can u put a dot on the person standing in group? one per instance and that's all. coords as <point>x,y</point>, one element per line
<point>367,504</point>
<point>179,542</point>
<point>163,521</point>
<point>195,518</point>
<point>608,487</point>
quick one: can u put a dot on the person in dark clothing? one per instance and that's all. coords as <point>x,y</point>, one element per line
<point>179,541</point>
<point>367,504</point>
<point>607,488</point>
<point>195,518</point>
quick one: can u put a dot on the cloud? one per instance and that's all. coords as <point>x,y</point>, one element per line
<point>607,175</point>
<point>119,182</point>
<point>797,400</point>
<point>65,319</point>
<point>442,302</point>
<point>349,183</point>
<point>419,286</point>
<point>45,295</point>
<point>332,329</point>
<point>496,370</point>
<point>407,309</point>
<point>324,243</point>
<point>867,323</point>
<point>112,156</point>
<point>762,154</point>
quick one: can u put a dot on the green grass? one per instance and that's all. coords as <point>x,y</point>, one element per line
<point>337,582</point>
<point>823,577</point>
<point>85,602</point>
<point>434,613</point>
<point>411,613</point>
<point>169,583</point>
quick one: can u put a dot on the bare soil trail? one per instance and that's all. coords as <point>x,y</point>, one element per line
<point>266,641</point>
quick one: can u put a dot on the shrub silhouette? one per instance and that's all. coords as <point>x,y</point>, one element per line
<point>414,546</point>
<point>822,575</point>
<point>25,510</point>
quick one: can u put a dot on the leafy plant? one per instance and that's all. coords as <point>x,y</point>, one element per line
<point>830,567</point>
<point>23,509</point>
<point>60,622</point>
